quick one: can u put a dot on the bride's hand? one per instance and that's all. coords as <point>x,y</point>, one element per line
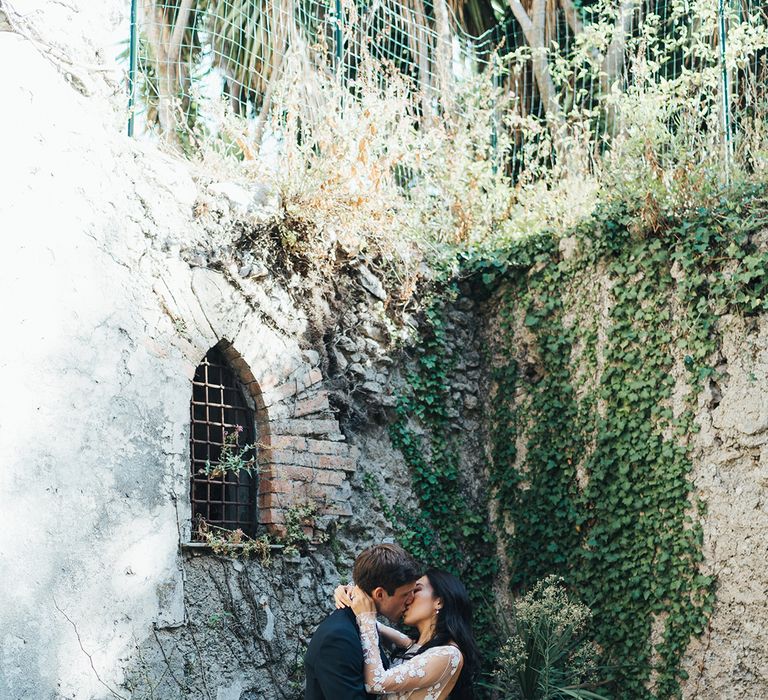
<point>362,602</point>
<point>341,596</point>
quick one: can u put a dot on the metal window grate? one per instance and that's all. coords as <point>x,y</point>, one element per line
<point>219,406</point>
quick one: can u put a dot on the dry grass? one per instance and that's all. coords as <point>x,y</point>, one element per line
<point>362,174</point>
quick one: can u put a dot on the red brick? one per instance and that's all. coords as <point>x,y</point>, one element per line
<point>294,385</point>
<point>299,492</point>
<point>348,464</point>
<point>258,399</point>
<point>271,516</point>
<point>242,370</point>
<point>312,404</point>
<point>302,459</point>
<point>327,447</point>
<point>280,393</point>
<point>274,486</point>
<point>267,475</point>
<point>316,492</point>
<point>262,419</point>
<point>306,427</point>
<point>294,473</point>
<point>314,376</point>
<point>267,501</point>
<point>290,442</point>
<point>332,478</point>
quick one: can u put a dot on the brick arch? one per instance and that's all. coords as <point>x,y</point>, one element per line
<point>226,501</point>
<point>302,456</point>
<point>248,380</point>
<point>305,456</point>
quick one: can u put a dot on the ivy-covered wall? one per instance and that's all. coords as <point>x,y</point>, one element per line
<point>620,440</point>
<point>605,357</point>
<point>437,426</point>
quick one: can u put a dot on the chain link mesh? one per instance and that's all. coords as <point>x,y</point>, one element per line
<point>546,59</point>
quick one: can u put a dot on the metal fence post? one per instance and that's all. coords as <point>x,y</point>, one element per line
<point>495,85</point>
<point>728,144</point>
<point>339,38</point>
<point>132,57</point>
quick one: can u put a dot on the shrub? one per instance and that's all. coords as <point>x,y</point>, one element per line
<point>547,655</point>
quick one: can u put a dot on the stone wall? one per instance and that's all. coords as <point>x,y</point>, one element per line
<point>121,271</point>
<point>731,474</point>
<point>729,456</point>
<point>245,630</point>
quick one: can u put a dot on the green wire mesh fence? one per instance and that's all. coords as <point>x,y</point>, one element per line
<point>555,67</point>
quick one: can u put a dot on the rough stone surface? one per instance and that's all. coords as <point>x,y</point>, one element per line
<point>120,273</point>
<point>246,630</point>
<point>731,474</point>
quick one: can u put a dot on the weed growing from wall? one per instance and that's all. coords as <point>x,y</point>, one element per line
<point>602,492</point>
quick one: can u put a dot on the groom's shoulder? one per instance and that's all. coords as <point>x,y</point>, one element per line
<point>340,623</point>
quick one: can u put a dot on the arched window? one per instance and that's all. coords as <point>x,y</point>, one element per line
<point>222,410</point>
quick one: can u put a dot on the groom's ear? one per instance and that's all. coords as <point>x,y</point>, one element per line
<point>378,594</point>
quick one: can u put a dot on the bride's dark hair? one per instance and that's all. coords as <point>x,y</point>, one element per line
<point>454,624</point>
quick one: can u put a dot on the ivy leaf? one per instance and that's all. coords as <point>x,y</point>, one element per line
<point>531,320</point>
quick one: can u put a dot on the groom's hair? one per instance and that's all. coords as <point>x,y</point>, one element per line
<point>385,565</point>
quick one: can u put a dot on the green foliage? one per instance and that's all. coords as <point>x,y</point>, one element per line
<point>233,458</point>
<point>602,495</point>
<point>234,543</point>
<point>300,528</point>
<point>548,656</point>
<point>299,533</point>
<point>447,531</point>
<point>219,619</point>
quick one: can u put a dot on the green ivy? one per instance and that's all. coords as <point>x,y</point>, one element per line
<point>447,530</point>
<point>602,495</point>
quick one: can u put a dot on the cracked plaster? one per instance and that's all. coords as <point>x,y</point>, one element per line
<point>108,323</point>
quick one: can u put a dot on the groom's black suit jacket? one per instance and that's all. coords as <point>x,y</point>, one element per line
<point>334,660</point>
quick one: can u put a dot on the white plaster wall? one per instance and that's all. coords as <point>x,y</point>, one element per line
<point>103,328</point>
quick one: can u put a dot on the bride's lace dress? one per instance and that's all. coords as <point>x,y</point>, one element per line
<point>427,676</point>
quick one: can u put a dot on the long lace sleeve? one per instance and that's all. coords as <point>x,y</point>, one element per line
<point>392,636</point>
<point>435,666</point>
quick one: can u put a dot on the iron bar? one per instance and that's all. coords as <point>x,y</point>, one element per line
<point>726,96</point>
<point>218,409</point>
<point>132,59</point>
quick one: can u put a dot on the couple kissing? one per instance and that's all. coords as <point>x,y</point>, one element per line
<point>353,657</point>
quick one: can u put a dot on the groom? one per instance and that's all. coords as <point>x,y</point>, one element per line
<point>334,659</point>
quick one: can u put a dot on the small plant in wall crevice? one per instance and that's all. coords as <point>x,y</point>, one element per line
<point>234,458</point>
<point>300,531</point>
<point>234,543</point>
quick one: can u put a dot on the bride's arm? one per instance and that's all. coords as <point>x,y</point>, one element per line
<point>392,636</point>
<point>388,634</point>
<point>438,665</point>
<point>434,667</point>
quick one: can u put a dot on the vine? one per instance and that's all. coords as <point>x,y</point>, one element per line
<point>299,534</point>
<point>602,494</point>
<point>448,531</point>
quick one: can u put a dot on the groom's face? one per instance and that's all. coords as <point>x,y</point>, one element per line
<point>393,606</point>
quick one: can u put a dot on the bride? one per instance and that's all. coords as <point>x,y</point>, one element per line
<point>440,663</point>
